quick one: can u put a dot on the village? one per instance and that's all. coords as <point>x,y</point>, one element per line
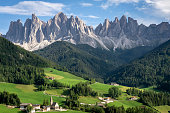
<point>54,106</point>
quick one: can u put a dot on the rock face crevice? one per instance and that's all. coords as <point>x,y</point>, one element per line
<point>124,33</point>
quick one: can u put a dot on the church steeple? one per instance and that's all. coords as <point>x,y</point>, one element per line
<point>51,101</point>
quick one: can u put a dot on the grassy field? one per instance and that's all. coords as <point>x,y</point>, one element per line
<point>100,88</point>
<point>55,91</point>
<point>89,100</point>
<point>70,111</point>
<point>124,96</point>
<point>151,88</point>
<point>125,103</point>
<point>4,109</point>
<point>163,109</point>
<point>27,94</point>
<point>63,77</point>
<point>103,88</point>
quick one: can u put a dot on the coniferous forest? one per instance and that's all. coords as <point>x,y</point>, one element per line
<point>20,66</point>
<point>151,69</point>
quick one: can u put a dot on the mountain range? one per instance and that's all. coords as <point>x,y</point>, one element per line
<point>121,33</point>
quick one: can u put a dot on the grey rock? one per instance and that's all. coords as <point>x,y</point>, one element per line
<point>125,34</point>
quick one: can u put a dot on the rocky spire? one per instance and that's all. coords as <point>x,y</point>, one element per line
<point>123,22</point>
<point>116,20</point>
<point>36,34</point>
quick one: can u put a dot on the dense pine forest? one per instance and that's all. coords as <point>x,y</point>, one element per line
<point>86,61</point>
<point>152,69</point>
<point>9,99</point>
<point>20,66</point>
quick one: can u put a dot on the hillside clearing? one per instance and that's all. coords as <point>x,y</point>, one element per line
<point>89,100</point>
<point>163,109</point>
<point>63,77</point>
<point>125,103</point>
<point>4,109</point>
<point>27,94</point>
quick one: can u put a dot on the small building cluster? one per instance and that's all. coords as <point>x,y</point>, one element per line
<point>114,84</point>
<point>133,98</point>
<point>106,100</point>
<point>37,107</point>
<point>51,78</point>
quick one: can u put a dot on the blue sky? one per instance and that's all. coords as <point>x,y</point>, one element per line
<point>92,12</point>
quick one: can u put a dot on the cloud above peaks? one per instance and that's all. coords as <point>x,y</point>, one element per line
<point>161,5</point>
<point>40,8</point>
<point>109,3</point>
<point>86,4</point>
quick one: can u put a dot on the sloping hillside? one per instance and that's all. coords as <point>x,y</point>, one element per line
<point>151,69</point>
<point>18,65</point>
<point>86,61</point>
<point>77,60</point>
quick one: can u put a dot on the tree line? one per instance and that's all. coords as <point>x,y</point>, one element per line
<point>151,69</point>
<point>9,99</point>
<point>150,98</point>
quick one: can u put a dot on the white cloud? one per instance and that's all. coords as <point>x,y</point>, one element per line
<point>86,4</point>
<point>91,16</point>
<point>97,0</point>
<point>161,6</point>
<point>116,2</point>
<point>40,8</point>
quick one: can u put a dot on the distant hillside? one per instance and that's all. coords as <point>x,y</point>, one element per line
<point>18,65</point>
<point>86,61</point>
<point>15,55</point>
<point>152,69</point>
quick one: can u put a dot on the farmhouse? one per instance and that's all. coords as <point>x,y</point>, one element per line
<point>51,78</point>
<point>23,106</point>
<point>133,98</point>
<point>114,84</point>
<point>46,108</point>
<point>106,98</point>
<point>36,106</point>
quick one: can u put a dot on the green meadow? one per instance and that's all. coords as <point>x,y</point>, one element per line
<point>100,88</point>
<point>27,93</point>
<point>125,103</point>
<point>55,92</point>
<point>4,109</point>
<point>103,88</point>
<point>69,111</point>
<point>63,77</point>
<point>89,100</point>
<point>163,109</point>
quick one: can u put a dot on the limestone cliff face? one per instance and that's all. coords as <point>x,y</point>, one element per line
<point>36,34</point>
<point>124,33</point>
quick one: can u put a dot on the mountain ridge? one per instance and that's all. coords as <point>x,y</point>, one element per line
<point>150,70</point>
<point>86,61</point>
<point>123,34</point>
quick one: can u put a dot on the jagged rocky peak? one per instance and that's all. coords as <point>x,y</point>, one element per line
<point>15,32</point>
<point>164,26</point>
<point>123,22</point>
<point>60,18</point>
<point>106,24</point>
<point>116,20</point>
<point>124,33</point>
<point>35,19</point>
